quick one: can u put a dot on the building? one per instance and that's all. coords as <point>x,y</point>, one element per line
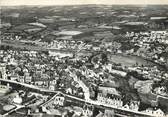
<point>4,88</point>
<point>52,85</point>
<point>159,113</point>
<point>59,100</point>
<point>88,110</point>
<point>109,96</point>
<point>17,99</point>
<point>3,74</point>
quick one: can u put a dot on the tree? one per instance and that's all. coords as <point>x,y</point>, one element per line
<point>0,74</point>
<point>104,58</point>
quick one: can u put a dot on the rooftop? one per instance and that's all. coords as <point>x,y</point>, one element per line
<point>109,90</point>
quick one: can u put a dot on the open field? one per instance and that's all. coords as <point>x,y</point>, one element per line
<point>22,46</point>
<point>127,60</point>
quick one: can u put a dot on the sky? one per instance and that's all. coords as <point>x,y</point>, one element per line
<point>76,2</point>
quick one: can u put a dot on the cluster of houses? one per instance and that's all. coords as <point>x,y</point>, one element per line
<point>37,68</point>
<point>161,90</point>
<point>157,113</point>
<point>66,44</point>
<point>111,97</point>
<point>152,73</point>
<point>50,70</point>
<point>151,45</point>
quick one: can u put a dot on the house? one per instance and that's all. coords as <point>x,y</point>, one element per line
<point>17,99</point>
<point>3,71</point>
<point>52,87</point>
<point>13,61</point>
<point>109,96</point>
<point>5,59</point>
<point>134,105</point>
<point>159,113</point>
<point>108,67</point>
<point>59,100</point>
<point>149,111</point>
<point>21,79</point>
<point>14,77</point>
<point>4,88</point>
<point>88,110</point>
<point>28,79</point>
<point>160,90</point>
<point>53,82</point>
<point>126,106</point>
<point>69,91</point>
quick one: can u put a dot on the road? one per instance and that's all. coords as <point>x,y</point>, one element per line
<point>15,109</point>
<point>91,102</point>
<point>82,85</point>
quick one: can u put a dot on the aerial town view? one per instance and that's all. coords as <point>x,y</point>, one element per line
<point>84,61</point>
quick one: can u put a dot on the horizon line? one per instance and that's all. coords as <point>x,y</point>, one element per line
<point>81,5</point>
<point>81,2</point>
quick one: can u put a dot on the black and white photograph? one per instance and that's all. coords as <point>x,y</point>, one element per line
<point>83,58</point>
